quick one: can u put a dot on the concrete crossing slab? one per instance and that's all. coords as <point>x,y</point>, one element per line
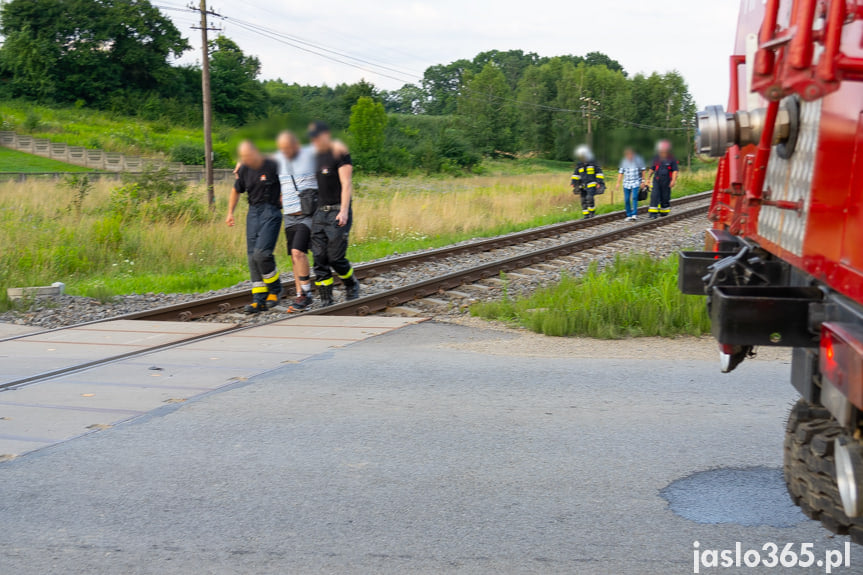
<point>45,352</point>
<point>13,330</point>
<point>59,409</point>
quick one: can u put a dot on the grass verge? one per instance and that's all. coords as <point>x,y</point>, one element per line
<point>635,296</point>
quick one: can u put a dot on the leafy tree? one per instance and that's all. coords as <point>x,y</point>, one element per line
<point>512,63</point>
<point>237,95</point>
<point>600,59</point>
<point>368,122</point>
<point>486,108</point>
<point>409,99</point>
<point>568,127</point>
<point>441,84</point>
<point>86,49</point>
<point>534,115</point>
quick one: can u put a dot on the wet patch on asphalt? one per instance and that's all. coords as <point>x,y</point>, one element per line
<point>750,497</point>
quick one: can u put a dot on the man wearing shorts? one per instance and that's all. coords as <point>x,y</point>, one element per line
<point>298,178</point>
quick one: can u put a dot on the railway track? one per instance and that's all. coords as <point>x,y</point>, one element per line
<point>398,296</point>
<point>226,303</point>
<point>378,302</point>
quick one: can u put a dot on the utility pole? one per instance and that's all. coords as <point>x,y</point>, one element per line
<point>589,107</point>
<point>208,104</point>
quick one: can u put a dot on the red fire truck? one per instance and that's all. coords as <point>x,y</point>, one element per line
<point>783,264</point>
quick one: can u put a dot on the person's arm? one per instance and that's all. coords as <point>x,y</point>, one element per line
<point>650,172</point>
<point>237,189</point>
<point>619,180</point>
<point>576,180</point>
<point>346,176</point>
<point>237,171</point>
<point>232,205</point>
<point>675,171</point>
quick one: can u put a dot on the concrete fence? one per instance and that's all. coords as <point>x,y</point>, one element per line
<point>95,159</point>
<point>188,175</point>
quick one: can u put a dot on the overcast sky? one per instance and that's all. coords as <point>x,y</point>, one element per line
<point>692,37</point>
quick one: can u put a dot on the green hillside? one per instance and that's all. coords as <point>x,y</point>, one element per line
<point>103,130</point>
<point>14,161</point>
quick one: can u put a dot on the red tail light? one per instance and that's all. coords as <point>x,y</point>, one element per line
<point>841,359</point>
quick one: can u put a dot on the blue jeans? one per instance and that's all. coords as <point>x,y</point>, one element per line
<point>630,200</point>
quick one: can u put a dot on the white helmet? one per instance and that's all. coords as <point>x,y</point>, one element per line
<point>583,153</point>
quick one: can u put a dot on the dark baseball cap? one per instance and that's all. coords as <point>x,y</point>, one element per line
<point>318,128</point>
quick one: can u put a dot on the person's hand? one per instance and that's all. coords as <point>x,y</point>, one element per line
<point>342,219</point>
<point>230,220</point>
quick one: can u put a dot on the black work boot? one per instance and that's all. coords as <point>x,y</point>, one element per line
<point>256,306</point>
<point>352,288</point>
<point>326,295</point>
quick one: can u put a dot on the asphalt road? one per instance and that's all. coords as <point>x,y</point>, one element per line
<point>405,454</point>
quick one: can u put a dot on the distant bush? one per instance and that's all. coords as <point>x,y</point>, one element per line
<point>193,155</point>
<point>157,182</point>
<point>80,186</point>
<point>156,195</point>
<point>32,122</point>
<point>189,154</point>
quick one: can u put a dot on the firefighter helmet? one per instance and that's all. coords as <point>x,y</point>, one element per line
<point>583,153</point>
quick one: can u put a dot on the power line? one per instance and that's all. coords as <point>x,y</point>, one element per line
<point>412,74</point>
<point>320,54</point>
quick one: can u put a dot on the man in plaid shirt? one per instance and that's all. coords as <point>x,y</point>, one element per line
<point>631,175</point>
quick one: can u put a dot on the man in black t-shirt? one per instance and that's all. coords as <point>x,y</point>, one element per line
<point>258,178</point>
<point>332,222</point>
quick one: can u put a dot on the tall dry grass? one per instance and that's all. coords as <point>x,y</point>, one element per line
<point>390,209</point>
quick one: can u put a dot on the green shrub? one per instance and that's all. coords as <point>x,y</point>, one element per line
<point>80,187</point>
<point>32,122</point>
<point>193,155</point>
<point>156,182</point>
<point>189,154</point>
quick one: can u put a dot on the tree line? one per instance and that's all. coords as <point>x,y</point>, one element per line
<point>115,55</point>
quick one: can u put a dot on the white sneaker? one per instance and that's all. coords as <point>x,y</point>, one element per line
<point>634,218</point>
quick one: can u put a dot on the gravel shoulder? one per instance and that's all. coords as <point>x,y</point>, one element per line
<point>519,342</point>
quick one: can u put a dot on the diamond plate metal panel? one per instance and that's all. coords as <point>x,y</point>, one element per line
<point>791,180</point>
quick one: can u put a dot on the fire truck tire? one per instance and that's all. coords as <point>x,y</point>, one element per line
<point>809,469</point>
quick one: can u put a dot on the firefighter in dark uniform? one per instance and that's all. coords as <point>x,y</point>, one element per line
<point>587,180</point>
<point>258,178</point>
<point>332,221</point>
<point>664,170</point>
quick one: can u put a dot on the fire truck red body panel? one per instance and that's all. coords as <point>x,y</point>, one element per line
<point>831,217</point>
<point>784,261</point>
